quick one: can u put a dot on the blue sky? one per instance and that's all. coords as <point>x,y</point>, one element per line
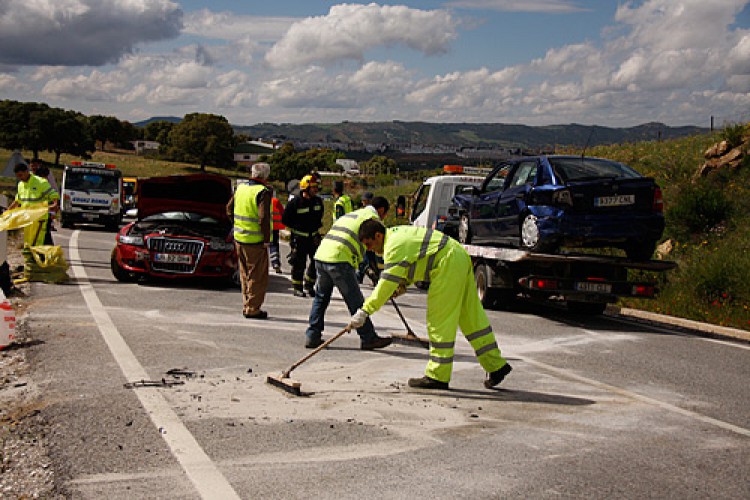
<point>534,62</point>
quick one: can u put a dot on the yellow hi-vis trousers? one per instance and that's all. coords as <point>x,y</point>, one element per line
<point>452,301</point>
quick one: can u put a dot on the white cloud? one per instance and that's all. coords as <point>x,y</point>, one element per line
<point>231,26</point>
<point>545,6</point>
<point>349,30</point>
<point>82,32</point>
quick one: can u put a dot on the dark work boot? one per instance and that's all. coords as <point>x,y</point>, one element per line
<point>427,383</point>
<point>497,376</point>
<point>312,343</point>
<point>376,343</point>
<point>299,293</point>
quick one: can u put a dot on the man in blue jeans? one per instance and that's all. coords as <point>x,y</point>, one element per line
<point>336,261</point>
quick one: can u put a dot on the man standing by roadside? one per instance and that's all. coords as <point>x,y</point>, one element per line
<point>34,190</point>
<point>343,203</point>
<point>336,261</point>
<point>251,208</point>
<point>420,254</point>
<point>304,218</point>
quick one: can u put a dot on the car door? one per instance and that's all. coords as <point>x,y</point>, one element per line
<point>512,201</point>
<point>484,204</point>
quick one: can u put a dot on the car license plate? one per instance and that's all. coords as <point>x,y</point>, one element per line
<point>88,216</point>
<point>591,286</point>
<point>173,258</point>
<point>614,201</point>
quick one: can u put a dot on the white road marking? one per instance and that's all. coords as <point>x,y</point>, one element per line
<point>198,467</point>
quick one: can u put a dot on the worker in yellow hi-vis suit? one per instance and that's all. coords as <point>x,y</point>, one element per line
<point>420,254</point>
<point>33,190</point>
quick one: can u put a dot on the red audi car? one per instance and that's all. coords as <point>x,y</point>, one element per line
<point>182,231</point>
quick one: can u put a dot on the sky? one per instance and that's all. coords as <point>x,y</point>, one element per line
<point>614,63</point>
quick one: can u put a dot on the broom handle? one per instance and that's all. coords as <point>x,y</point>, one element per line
<point>403,320</point>
<point>316,351</point>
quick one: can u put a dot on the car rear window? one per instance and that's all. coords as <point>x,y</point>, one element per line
<point>579,169</point>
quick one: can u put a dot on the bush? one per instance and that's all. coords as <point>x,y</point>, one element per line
<point>733,134</point>
<point>697,209</point>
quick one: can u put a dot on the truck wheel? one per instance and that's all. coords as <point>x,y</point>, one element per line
<point>639,251</point>
<point>531,237</point>
<point>586,308</point>
<point>119,273</point>
<point>464,230</point>
<point>482,277</point>
<point>65,222</point>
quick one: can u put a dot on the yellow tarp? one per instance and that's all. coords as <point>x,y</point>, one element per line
<point>22,217</point>
<point>45,263</point>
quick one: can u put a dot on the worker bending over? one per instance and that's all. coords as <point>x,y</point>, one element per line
<point>420,254</point>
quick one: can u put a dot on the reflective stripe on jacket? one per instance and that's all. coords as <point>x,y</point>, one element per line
<point>246,215</point>
<point>410,254</point>
<point>341,243</point>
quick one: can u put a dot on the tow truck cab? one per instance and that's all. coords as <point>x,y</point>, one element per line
<point>91,193</point>
<point>432,199</point>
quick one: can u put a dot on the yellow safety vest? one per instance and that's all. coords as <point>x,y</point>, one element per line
<point>246,216</point>
<point>341,243</point>
<point>345,203</point>
<point>35,190</point>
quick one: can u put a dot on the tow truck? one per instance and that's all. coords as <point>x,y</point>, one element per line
<point>584,282</point>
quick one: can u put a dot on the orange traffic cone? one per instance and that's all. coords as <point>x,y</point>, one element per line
<point>8,323</point>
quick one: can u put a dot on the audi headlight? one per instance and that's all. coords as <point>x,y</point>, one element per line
<point>127,239</point>
<point>221,245</point>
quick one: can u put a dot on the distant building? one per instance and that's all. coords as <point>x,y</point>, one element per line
<point>145,147</point>
<point>350,167</point>
<point>250,152</point>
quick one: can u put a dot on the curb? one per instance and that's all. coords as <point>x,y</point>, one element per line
<point>705,328</point>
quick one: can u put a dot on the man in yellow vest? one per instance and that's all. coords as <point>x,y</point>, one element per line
<point>251,208</point>
<point>343,203</point>
<point>421,254</point>
<point>33,190</point>
<point>336,263</point>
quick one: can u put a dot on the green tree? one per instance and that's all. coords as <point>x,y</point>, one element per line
<point>379,165</point>
<point>67,132</point>
<point>105,128</point>
<point>204,139</point>
<point>20,125</point>
<point>158,131</point>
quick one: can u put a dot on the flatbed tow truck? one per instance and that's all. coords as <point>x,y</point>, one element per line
<point>585,282</point>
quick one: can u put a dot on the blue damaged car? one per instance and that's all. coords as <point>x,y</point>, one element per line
<point>542,203</point>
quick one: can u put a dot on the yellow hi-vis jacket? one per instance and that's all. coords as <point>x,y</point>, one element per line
<point>246,215</point>
<point>341,243</point>
<point>410,254</point>
<point>35,190</point>
<point>342,205</point>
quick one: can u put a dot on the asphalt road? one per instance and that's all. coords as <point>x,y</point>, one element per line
<point>595,407</point>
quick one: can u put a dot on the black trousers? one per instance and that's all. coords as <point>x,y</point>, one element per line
<point>303,264</point>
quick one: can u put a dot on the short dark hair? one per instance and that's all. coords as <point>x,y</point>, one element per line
<point>370,228</point>
<point>20,167</point>
<point>338,187</point>
<point>380,202</point>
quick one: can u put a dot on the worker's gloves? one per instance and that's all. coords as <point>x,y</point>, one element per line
<point>399,291</point>
<point>358,319</point>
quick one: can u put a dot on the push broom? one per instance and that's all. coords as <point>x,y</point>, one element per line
<point>292,386</point>
<point>410,338</point>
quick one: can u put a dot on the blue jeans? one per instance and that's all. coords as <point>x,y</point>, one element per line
<point>343,276</point>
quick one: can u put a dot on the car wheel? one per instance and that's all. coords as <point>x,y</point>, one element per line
<point>119,273</point>
<point>640,250</point>
<point>464,230</point>
<point>586,308</point>
<point>482,277</point>
<point>531,237</point>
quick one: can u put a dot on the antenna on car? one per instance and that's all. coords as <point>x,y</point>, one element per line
<point>583,153</point>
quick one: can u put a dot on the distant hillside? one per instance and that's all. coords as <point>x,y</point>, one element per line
<point>465,134</point>
<point>173,119</point>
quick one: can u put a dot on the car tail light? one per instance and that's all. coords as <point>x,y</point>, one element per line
<point>562,197</point>
<point>643,290</point>
<point>658,201</point>
<point>540,283</point>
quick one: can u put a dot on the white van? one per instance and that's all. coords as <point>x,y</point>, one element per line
<point>432,199</point>
<point>91,193</point>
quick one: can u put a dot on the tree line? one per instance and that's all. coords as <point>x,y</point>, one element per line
<point>199,138</point>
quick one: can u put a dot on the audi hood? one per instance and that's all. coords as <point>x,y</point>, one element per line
<point>207,194</point>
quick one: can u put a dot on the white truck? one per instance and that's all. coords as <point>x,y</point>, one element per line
<point>91,193</point>
<point>585,283</point>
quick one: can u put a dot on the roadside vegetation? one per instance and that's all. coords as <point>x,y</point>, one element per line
<point>708,226</point>
<point>708,217</point>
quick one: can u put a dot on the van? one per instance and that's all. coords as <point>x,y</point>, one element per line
<point>91,193</point>
<point>129,193</point>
